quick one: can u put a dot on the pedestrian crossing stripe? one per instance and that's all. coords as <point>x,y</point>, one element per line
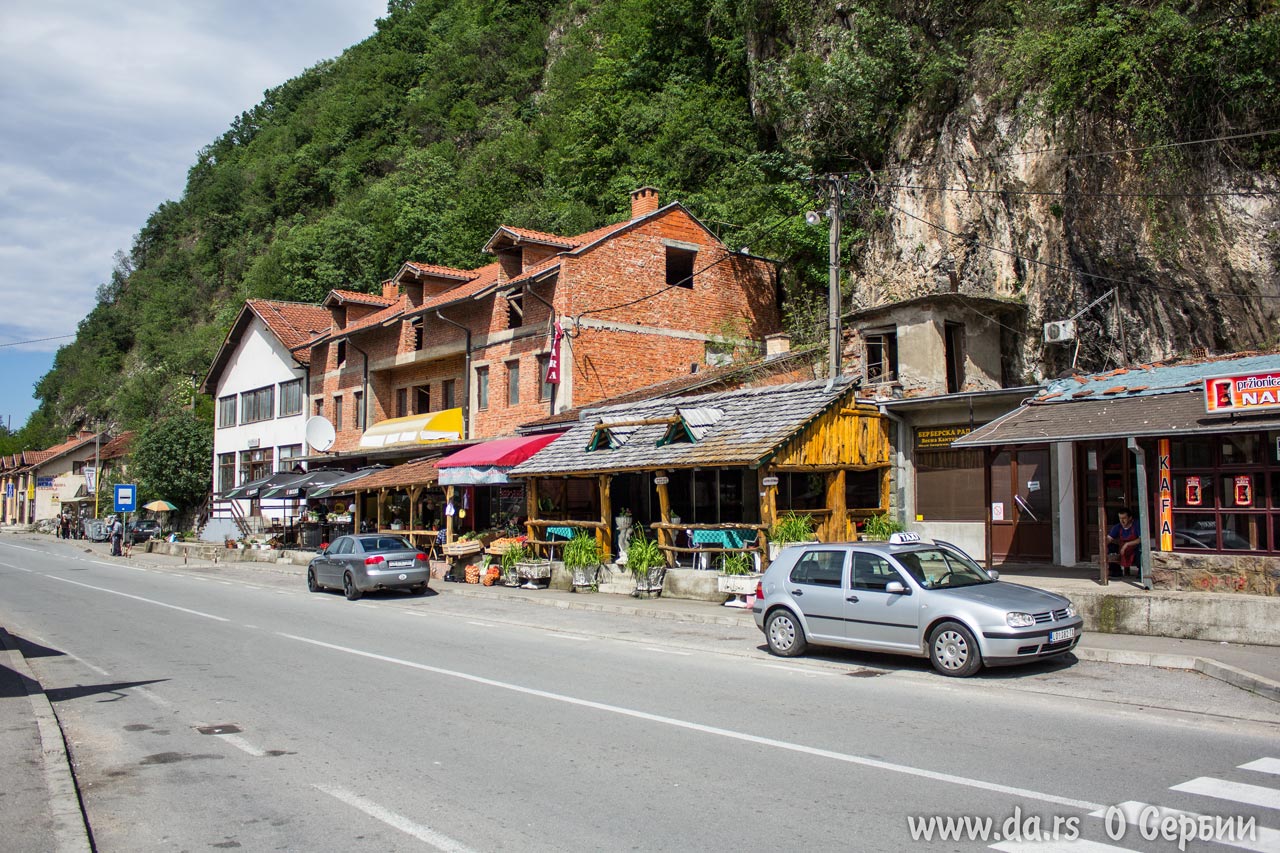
<point>1237,792</point>
<point>1264,841</point>
<point>1263,765</point>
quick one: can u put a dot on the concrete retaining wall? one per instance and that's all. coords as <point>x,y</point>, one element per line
<point>1219,618</point>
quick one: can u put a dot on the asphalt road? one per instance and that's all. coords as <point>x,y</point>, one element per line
<point>232,709</point>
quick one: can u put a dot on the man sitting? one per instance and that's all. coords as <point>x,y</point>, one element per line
<point>1124,541</point>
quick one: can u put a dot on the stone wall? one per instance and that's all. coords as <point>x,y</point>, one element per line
<point>1244,573</point>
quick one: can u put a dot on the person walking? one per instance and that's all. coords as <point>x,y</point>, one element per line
<point>117,537</point>
<point>66,526</point>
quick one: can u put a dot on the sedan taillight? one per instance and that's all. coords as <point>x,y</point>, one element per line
<point>374,560</point>
<point>421,556</point>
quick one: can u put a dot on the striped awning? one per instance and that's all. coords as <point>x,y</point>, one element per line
<point>430,428</point>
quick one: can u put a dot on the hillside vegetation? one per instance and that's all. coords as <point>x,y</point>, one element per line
<point>458,115</point>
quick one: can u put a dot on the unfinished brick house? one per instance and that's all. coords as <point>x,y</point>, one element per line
<point>638,301</point>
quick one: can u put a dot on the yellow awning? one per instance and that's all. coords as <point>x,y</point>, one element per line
<point>430,428</point>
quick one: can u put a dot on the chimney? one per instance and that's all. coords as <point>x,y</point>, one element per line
<point>390,290</point>
<point>776,345</point>
<point>643,202</point>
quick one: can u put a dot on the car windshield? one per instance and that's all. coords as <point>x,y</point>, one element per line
<point>384,543</point>
<point>934,568</point>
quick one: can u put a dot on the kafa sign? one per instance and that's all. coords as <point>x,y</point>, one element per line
<point>1245,393</point>
<point>553,362</point>
<point>1166,496</point>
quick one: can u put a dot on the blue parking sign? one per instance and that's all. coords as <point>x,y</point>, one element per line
<point>126,497</point>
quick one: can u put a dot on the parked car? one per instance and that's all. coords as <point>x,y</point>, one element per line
<point>368,561</point>
<point>909,597</point>
<point>143,529</point>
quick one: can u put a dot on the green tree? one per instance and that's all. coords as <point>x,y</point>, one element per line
<point>172,461</point>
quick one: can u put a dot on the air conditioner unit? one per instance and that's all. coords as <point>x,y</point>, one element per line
<point>1060,331</point>
<point>253,442</point>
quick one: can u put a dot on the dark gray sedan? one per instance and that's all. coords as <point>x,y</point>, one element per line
<point>909,597</point>
<point>367,562</point>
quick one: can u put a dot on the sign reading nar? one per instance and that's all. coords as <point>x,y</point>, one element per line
<point>1248,393</point>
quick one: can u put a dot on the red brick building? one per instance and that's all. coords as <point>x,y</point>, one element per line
<point>639,301</point>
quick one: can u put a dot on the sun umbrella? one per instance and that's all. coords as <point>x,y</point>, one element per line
<point>159,506</point>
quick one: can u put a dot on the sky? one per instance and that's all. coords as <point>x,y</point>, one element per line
<point>103,107</point>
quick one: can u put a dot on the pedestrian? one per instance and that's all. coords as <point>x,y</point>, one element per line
<point>117,538</point>
<point>66,526</point>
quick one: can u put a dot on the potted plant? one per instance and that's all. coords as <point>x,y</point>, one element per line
<point>738,577</point>
<point>791,527</point>
<point>511,558</point>
<point>878,528</point>
<point>647,564</point>
<point>582,559</point>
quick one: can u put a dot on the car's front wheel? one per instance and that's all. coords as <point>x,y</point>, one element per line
<point>953,650</point>
<point>349,588</point>
<point>312,584</point>
<point>783,633</point>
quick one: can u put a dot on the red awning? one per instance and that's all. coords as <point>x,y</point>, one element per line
<point>499,453</point>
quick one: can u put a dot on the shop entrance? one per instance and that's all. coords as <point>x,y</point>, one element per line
<point>1108,476</point>
<point>1021,506</point>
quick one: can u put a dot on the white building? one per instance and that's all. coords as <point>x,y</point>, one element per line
<point>259,391</point>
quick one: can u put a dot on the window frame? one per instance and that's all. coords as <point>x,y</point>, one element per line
<point>228,409</point>
<point>513,382</point>
<point>256,401</point>
<point>482,387</point>
<point>288,388</point>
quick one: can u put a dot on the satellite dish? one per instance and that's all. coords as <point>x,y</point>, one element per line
<point>320,433</point>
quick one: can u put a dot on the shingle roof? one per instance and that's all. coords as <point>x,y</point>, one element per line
<point>738,428</point>
<point>416,473</point>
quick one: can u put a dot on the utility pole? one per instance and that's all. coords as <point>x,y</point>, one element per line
<point>833,273</point>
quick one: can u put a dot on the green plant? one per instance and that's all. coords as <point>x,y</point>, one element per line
<point>515,554</point>
<point>737,564</point>
<point>582,551</point>
<point>643,555</point>
<point>792,528</point>
<point>881,526</point>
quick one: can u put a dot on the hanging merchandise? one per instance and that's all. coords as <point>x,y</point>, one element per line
<point>449,509</point>
<point>1244,490</point>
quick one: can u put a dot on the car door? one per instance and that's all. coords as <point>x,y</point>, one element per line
<point>880,619</point>
<point>816,584</point>
<point>331,573</point>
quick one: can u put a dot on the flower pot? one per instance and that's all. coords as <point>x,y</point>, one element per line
<point>738,584</point>
<point>585,577</point>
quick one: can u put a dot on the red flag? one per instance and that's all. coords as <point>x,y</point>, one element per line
<point>553,363</point>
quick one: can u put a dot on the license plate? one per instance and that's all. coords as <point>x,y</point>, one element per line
<point>400,564</point>
<point>1063,634</point>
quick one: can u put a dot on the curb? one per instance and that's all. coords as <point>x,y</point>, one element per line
<point>1236,677</point>
<point>69,828</point>
<point>737,619</point>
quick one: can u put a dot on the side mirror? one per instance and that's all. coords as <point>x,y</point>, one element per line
<point>896,588</point>
<point>993,574</point>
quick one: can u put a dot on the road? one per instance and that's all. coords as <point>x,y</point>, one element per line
<point>231,709</point>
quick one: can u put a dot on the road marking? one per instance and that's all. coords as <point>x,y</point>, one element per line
<point>1079,845</point>
<point>19,568</point>
<point>1023,793</point>
<point>798,669</point>
<point>423,833</point>
<point>666,651</point>
<point>481,624</point>
<point>560,636</point>
<point>1236,792</point>
<point>1265,840</point>
<point>1263,765</point>
<point>241,744</point>
<point>140,598</point>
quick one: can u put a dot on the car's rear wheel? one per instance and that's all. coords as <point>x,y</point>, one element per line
<point>953,650</point>
<point>349,588</point>
<point>312,585</point>
<point>783,633</point>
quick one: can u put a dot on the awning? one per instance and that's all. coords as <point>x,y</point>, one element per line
<point>445,425</point>
<point>342,485</point>
<point>419,472</point>
<point>1153,416</point>
<point>487,463</point>
<point>295,484</point>
<point>244,491</point>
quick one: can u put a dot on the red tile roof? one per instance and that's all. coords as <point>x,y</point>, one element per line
<point>117,447</point>
<point>291,322</point>
<point>442,272</point>
<point>395,309</point>
<point>359,298</point>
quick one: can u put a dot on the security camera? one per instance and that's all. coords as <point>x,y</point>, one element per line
<point>813,217</point>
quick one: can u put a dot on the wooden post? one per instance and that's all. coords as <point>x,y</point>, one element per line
<point>357,513</point>
<point>604,536</point>
<point>1104,573</point>
<point>448,519</point>
<point>531,507</point>
<point>768,515</point>
<point>989,457</point>
<point>664,512</point>
<point>414,493</point>
<point>838,520</point>
<point>382,499</point>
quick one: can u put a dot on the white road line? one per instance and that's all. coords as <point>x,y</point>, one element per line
<point>140,598</point>
<point>423,833</point>
<point>241,744</point>
<point>1080,845</point>
<point>666,651</point>
<point>1236,792</point>
<point>559,636</point>
<point>1263,765</point>
<point>19,568</point>
<point>481,624</point>
<point>799,669</point>
<point>1022,793</point>
<point>1265,840</point>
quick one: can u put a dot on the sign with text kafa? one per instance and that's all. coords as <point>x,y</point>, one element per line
<point>940,437</point>
<point>1249,392</point>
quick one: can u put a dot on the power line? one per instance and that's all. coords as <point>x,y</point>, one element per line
<point>976,191</point>
<point>37,340</point>
<point>1069,270</point>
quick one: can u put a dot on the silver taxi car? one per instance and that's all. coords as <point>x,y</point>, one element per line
<point>908,596</point>
<point>369,561</point>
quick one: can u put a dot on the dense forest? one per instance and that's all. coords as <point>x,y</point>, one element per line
<point>1152,125</point>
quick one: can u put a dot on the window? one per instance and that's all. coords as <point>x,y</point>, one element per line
<point>881,363</point>
<point>515,310</point>
<point>258,405</point>
<point>256,464</point>
<point>873,572</point>
<point>422,399</point>
<point>447,395</point>
<point>226,471</point>
<point>357,403</point>
<point>337,414</point>
<point>286,453</point>
<point>862,489</point>
<point>416,325</point>
<point>319,413</point>
<point>544,387</point>
<point>402,402</point>
<point>482,387</point>
<point>819,568</point>
<point>291,398</point>
<point>951,485</point>
<point>799,491</point>
<point>342,353</point>
<point>513,383</point>
<point>227,411</point>
<point>1226,492</point>
<point>953,352</point>
<point>77,467</point>
<point>680,266</point>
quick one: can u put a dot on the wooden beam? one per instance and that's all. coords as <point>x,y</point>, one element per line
<point>604,535</point>
<point>838,522</point>
<point>644,422</point>
<point>664,512</point>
